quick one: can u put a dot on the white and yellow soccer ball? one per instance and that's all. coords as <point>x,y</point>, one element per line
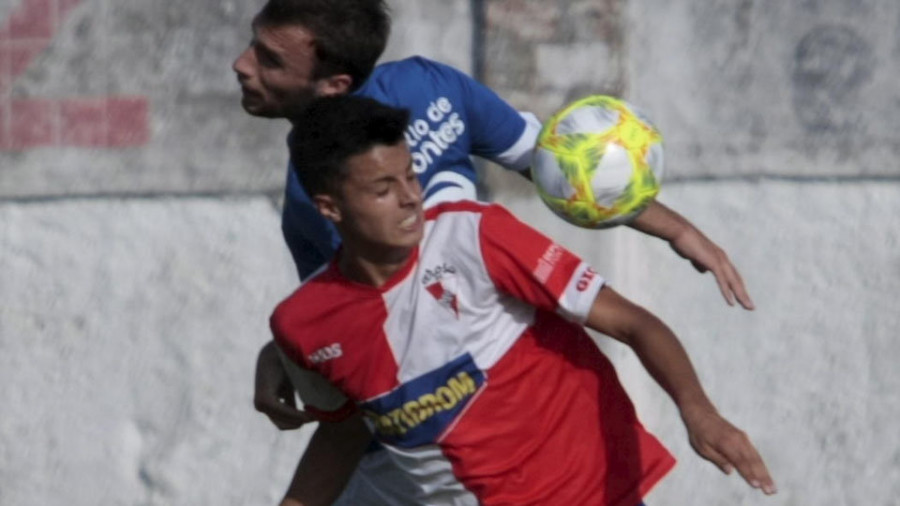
<point>598,162</point>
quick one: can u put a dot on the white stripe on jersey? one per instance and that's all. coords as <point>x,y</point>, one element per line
<point>433,473</point>
<point>518,156</point>
<point>425,335</point>
<point>462,188</point>
<point>311,386</point>
<point>579,293</point>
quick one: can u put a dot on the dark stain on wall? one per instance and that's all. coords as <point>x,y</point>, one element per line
<point>831,65</point>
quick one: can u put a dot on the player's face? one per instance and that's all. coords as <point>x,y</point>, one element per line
<point>276,72</point>
<point>380,202</point>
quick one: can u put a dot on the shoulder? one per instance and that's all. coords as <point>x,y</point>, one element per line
<point>301,307</point>
<point>477,217</point>
<point>460,209</point>
<point>464,207</point>
<point>399,72</point>
<point>456,207</point>
<point>413,64</point>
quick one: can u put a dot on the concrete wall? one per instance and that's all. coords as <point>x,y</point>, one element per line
<point>140,252</point>
<point>778,118</point>
<point>778,121</point>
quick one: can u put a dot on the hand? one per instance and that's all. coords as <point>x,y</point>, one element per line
<point>726,446</point>
<point>704,255</point>
<point>274,394</point>
<point>660,221</point>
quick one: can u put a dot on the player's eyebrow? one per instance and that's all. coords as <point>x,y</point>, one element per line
<point>266,51</point>
<point>389,178</point>
<point>383,179</point>
<point>261,47</point>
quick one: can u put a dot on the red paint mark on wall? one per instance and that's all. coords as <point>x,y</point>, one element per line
<point>25,123</point>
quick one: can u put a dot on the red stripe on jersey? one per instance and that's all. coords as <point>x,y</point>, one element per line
<point>461,205</point>
<point>555,427</point>
<point>525,264</point>
<point>354,315</point>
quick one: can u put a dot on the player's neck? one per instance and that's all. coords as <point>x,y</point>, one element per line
<point>375,268</point>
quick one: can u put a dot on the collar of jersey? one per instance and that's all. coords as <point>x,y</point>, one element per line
<point>393,281</point>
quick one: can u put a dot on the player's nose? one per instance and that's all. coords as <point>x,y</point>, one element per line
<point>242,64</point>
<point>410,192</point>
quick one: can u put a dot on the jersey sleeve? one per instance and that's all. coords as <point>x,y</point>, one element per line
<point>529,266</point>
<point>498,132</point>
<point>319,397</point>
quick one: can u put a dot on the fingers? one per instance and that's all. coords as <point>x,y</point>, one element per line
<point>724,287</point>
<point>710,454</point>
<point>750,465</point>
<point>273,392</point>
<point>282,411</point>
<point>286,417</point>
<point>279,405</point>
<point>731,284</point>
<point>717,440</point>
<point>733,450</point>
<point>740,292</point>
<point>704,256</point>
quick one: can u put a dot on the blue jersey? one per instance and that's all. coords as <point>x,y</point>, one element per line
<point>452,116</point>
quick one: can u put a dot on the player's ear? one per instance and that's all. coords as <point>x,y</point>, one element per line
<point>338,84</point>
<point>327,207</point>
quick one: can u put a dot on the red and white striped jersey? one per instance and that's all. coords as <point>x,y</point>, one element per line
<point>473,369</point>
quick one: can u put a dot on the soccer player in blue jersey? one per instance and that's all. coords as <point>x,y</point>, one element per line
<point>302,49</point>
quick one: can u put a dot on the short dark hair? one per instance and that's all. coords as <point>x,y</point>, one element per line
<point>334,128</point>
<point>349,35</point>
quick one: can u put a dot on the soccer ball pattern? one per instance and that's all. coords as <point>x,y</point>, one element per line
<point>598,162</point>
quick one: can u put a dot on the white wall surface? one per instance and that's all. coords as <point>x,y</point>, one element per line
<point>136,282</point>
<point>128,331</point>
<point>810,374</point>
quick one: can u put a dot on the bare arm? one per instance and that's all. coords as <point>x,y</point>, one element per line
<point>660,221</point>
<point>325,468</point>
<point>711,435</point>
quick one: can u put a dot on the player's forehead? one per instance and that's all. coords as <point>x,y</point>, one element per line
<point>285,39</point>
<point>379,163</point>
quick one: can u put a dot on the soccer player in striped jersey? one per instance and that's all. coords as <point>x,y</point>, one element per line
<point>454,337</point>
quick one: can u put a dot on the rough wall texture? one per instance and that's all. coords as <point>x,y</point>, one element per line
<point>771,88</point>
<point>140,253</point>
<point>548,53</point>
<point>777,118</point>
<point>128,330</point>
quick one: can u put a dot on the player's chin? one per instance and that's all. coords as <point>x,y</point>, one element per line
<point>255,107</point>
<point>409,238</point>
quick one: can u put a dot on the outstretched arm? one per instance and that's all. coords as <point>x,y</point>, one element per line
<point>660,221</point>
<point>333,453</point>
<point>711,435</point>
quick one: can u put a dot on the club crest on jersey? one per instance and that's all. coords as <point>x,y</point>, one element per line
<point>440,282</point>
<point>423,409</point>
<point>444,297</point>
